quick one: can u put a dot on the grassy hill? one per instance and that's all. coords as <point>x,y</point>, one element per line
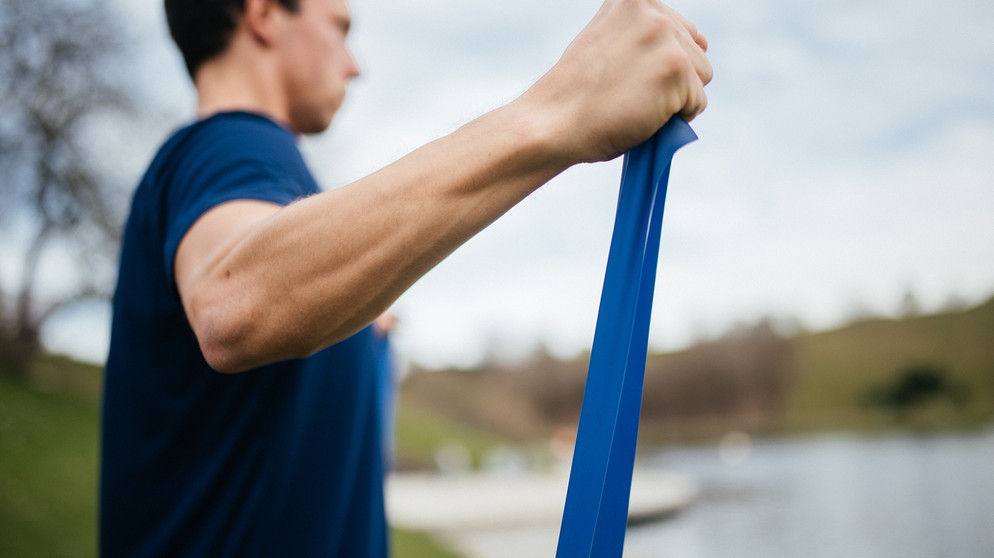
<point>48,466</point>
<point>838,372</point>
<point>48,462</point>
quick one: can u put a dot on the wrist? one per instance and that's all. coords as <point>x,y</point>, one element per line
<point>545,129</point>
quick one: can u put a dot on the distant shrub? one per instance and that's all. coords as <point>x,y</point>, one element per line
<point>915,385</point>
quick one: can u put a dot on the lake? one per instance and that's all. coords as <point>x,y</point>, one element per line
<point>832,496</point>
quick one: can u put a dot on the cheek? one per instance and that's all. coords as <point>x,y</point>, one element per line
<point>325,60</point>
<point>318,61</point>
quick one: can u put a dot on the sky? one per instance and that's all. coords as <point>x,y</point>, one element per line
<point>845,160</point>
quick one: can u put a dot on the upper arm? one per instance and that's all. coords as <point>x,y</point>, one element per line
<point>212,236</point>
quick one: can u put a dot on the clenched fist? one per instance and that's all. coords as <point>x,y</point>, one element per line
<point>634,66</point>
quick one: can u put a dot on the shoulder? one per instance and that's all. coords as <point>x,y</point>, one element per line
<point>234,135</point>
<point>230,150</point>
<point>242,122</point>
<point>225,157</point>
<point>239,136</point>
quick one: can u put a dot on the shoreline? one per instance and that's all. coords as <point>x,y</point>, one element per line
<point>514,514</point>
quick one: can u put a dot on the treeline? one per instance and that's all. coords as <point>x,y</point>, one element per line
<point>919,371</point>
<point>741,378</point>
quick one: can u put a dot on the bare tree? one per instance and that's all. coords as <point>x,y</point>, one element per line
<point>56,80</point>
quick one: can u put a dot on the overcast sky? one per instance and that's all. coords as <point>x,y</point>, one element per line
<point>845,159</point>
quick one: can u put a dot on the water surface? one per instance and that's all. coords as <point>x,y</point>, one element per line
<point>833,496</point>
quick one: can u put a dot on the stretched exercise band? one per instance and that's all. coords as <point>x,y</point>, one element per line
<point>596,512</point>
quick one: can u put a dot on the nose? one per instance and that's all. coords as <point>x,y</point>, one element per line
<point>351,66</point>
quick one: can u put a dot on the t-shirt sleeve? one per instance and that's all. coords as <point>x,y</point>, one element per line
<point>236,161</point>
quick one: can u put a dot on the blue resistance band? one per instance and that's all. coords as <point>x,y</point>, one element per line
<point>596,512</point>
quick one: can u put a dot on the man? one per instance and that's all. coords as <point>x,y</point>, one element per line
<point>240,414</point>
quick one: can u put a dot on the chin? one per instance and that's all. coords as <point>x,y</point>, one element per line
<point>314,121</point>
<point>313,125</point>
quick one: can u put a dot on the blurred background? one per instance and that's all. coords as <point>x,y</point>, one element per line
<point>822,346</point>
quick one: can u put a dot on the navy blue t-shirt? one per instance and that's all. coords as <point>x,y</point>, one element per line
<point>284,460</point>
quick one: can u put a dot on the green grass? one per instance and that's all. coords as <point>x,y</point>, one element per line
<point>48,467</point>
<point>48,464</point>
<point>420,434</point>
<point>410,544</point>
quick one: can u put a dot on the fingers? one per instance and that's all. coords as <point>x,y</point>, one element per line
<point>694,43</point>
<point>685,62</point>
<point>695,34</point>
<point>701,40</point>
<point>698,58</point>
<point>694,98</point>
<point>695,104</point>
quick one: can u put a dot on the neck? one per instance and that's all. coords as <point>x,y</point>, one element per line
<point>239,79</point>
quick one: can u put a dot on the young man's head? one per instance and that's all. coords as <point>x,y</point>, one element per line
<point>294,50</point>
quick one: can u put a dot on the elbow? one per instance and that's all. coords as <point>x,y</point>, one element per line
<point>221,343</point>
<point>243,329</point>
<point>232,335</point>
<point>222,359</point>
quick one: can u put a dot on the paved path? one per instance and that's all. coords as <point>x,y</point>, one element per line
<point>498,516</point>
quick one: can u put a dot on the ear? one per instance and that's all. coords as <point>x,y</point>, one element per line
<point>260,17</point>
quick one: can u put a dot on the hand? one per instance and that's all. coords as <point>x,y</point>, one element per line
<point>637,64</point>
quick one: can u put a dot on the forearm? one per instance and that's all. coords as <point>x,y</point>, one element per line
<point>324,267</point>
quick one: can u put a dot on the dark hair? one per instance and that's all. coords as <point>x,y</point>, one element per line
<point>202,28</point>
